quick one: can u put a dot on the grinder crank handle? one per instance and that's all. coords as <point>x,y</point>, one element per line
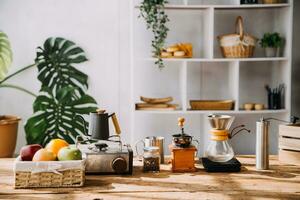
<point>181,121</point>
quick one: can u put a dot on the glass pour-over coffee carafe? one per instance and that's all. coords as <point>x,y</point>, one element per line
<point>219,149</point>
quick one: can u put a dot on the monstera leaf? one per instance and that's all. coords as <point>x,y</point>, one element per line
<point>55,64</point>
<point>5,55</point>
<point>55,115</point>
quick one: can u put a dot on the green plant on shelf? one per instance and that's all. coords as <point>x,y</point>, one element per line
<point>63,90</point>
<point>271,40</point>
<point>153,12</point>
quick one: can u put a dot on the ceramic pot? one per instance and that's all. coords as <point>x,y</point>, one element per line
<point>271,52</point>
<point>8,135</point>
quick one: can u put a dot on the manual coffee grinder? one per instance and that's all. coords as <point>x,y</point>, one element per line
<point>183,152</point>
<point>219,156</point>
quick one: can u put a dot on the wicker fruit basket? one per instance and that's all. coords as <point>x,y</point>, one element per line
<point>239,44</point>
<point>212,105</point>
<point>49,173</point>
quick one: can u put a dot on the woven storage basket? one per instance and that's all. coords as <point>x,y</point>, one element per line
<point>238,45</point>
<point>49,173</point>
<point>212,105</point>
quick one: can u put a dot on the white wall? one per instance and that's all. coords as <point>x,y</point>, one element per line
<point>100,27</point>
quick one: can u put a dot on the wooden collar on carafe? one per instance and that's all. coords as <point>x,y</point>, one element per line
<point>219,135</point>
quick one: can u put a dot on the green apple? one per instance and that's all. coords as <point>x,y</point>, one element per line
<point>69,153</point>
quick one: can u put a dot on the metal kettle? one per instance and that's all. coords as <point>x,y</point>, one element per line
<point>99,126</point>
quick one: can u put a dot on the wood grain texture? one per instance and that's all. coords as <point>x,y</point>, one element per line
<point>290,131</point>
<point>289,143</point>
<point>289,157</point>
<point>280,182</point>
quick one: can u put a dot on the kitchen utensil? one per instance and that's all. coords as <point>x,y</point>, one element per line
<point>249,106</point>
<point>232,165</point>
<point>151,159</point>
<point>259,106</point>
<point>220,122</point>
<point>156,100</point>
<point>276,97</point>
<point>212,104</point>
<point>262,144</point>
<point>182,140</point>
<point>99,126</point>
<point>152,141</point>
<point>219,148</point>
<point>262,141</point>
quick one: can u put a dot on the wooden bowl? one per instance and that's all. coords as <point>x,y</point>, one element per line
<point>249,106</point>
<point>259,106</point>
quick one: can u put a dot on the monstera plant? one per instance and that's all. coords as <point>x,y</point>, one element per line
<point>5,55</point>
<point>62,95</point>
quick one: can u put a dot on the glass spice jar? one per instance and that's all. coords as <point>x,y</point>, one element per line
<point>151,159</point>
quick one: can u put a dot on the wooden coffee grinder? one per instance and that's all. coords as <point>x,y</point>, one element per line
<point>182,151</point>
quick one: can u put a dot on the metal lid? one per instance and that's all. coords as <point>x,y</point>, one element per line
<point>151,149</point>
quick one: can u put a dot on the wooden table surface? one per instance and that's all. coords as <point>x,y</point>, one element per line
<point>280,182</point>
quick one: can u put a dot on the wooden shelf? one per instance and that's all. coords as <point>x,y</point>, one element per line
<point>208,75</point>
<point>199,7</point>
<point>213,111</point>
<point>260,59</point>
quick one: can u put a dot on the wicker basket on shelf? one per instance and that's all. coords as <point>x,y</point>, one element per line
<point>239,44</point>
<point>49,174</point>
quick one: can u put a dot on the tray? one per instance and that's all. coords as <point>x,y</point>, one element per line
<point>212,104</point>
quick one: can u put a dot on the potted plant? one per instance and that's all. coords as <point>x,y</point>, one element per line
<point>62,95</point>
<point>271,42</point>
<point>8,123</point>
<point>154,14</point>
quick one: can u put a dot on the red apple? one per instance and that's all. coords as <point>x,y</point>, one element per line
<point>27,152</point>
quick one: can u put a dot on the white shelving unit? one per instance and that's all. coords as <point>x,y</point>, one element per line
<point>208,75</point>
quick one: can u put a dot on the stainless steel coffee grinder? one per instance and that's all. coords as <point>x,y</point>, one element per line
<point>262,140</point>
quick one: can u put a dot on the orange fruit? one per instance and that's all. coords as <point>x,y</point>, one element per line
<point>55,145</point>
<point>44,155</point>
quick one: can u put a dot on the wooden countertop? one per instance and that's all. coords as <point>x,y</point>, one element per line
<point>280,182</point>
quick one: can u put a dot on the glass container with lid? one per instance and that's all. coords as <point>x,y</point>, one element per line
<point>219,149</point>
<point>151,159</point>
